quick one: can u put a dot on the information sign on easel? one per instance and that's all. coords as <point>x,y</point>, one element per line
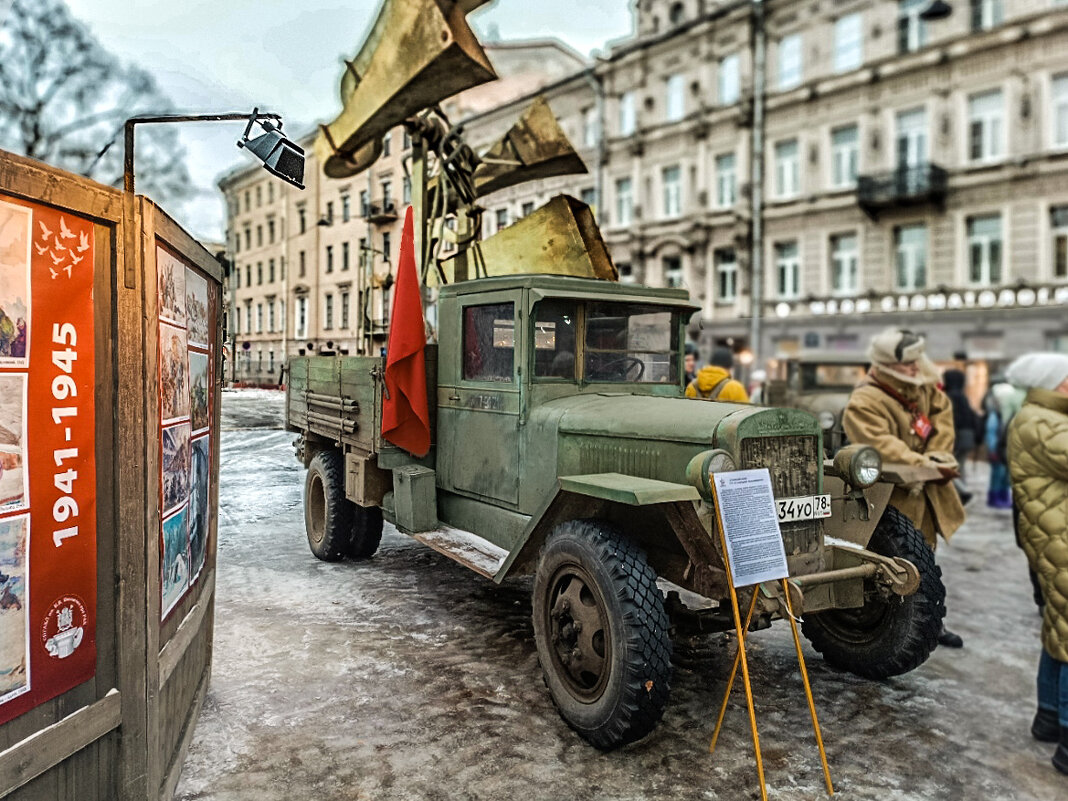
<point>748,527</point>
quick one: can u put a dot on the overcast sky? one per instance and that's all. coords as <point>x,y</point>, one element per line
<point>228,55</point>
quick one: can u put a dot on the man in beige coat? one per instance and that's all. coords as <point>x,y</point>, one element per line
<point>899,410</point>
<point>1038,465</point>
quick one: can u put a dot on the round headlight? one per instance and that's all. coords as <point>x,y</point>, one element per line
<point>826,419</point>
<point>866,466</point>
<point>701,468</point>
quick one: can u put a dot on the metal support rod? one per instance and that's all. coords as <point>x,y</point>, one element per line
<point>756,157</point>
<point>732,676</point>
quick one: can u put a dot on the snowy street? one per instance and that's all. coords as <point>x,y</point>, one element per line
<point>409,677</point>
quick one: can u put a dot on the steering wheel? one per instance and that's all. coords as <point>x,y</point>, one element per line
<point>628,363</point>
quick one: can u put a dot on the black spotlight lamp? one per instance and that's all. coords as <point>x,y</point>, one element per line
<point>280,156</point>
<point>936,10</point>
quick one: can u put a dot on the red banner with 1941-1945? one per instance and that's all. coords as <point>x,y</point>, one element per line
<point>47,461</point>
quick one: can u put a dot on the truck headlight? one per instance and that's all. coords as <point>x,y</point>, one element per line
<point>861,464</point>
<point>701,467</point>
<point>827,419</point>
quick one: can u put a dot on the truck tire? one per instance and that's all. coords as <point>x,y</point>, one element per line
<point>602,633</point>
<point>328,514</point>
<point>887,636</point>
<point>366,531</point>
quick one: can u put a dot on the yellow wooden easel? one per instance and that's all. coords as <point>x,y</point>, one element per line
<point>740,657</point>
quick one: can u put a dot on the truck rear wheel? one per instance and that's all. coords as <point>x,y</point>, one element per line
<point>601,633</point>
<point>366,531</point>
<point>328,514</point>
<point>891,635</point>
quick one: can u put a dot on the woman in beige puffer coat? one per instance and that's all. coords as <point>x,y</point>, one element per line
<point>1038,465</point>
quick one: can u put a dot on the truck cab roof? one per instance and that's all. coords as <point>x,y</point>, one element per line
<point>560,286</point>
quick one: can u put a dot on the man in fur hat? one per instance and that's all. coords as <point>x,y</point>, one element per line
<point>899,410</point>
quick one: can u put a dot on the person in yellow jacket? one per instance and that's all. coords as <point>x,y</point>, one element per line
<point>714,382</point>
<point>1038,465</point>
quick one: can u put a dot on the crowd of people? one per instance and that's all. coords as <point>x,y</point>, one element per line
<point>913,414</point>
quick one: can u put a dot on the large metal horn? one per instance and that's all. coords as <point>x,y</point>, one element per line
<point>535,147</point>
<point>418,53</point>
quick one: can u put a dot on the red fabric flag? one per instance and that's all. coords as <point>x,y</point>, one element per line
<point>405,413</point>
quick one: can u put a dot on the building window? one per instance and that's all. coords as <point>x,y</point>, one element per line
<point>302,219</point>
<point>282,268</point>
<point>911,138</point>
<point>729,80</point>
<point>406,140</point>
<point>672,177</point>
<point>387,140</point>
<point>911,29</point>
<point>589,126</point>
<point>270,317</point>
<point>677,14</point>
<point>248,204</point>
<point>984,249</point>
<point>406,190</point>
<point>330,258</point>
<point>237,319</point>
<point>344,256</point>
<point>624,201</point>
<point>528,208</point>
<point>844,264</point>
<point>259,273</point>
<point>270,193</point>
<point>248,316</point>
<point>270,361</point>
<point>502,218</point>
<point>726,275</point>
<point>848,42</point>
<point>248,237</point>
<point>363,252</point>
<point>328,312</point>
<point>302,265</point>
<point>676,99</point>
<point>386,248</point>
<point>1060,110</point>
<point>270,232</point>
<point>726,180</point>
<point>844,154</point>
<point>365,204</point>
<point>787,269</point>
<point>346,208</point>
<point>626,273</point>
<point>589,197</point>
<point>910,256</point>
<point>259,236</point>
<point>270,271</point>
<point>237,242</point>
<point>330,211</point>
<point>787,169</point>
<point>344,310</point>
<point>259,318</point>
<point>259,196</point>
<point>301,323</point>
<point>387,194</point>
<point>1058,218</point>
<point>790,61</point>
<point>985,126</point>
<point>986,14</point>
<point>628,119</point>
<point>672,271</point>
<point>248,275</point>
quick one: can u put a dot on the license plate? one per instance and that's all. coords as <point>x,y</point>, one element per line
<point>808,507</point>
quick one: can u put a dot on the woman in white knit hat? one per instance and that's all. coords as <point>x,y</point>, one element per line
<point>899,410</point>
<point>1038,465</point>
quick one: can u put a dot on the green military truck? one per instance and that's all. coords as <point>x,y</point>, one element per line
<point>563,447</point>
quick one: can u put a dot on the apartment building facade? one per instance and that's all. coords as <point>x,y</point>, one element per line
<point>913,172</point>
<point>311,270</point>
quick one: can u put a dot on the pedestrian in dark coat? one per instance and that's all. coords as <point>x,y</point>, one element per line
<point>967,427</point>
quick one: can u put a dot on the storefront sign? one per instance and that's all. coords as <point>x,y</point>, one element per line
<point>47,458</point>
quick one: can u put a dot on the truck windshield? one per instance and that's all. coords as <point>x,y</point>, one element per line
<point>623,342</point>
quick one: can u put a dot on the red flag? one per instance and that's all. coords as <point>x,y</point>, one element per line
<point>405,413</point>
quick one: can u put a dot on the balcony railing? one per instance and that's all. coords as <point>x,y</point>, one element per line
<point>905,186</point>
<point>381,211</point>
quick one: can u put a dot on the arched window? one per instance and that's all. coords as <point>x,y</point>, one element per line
<point>677,13</point>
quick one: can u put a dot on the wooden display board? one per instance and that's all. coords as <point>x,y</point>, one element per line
<point>110,343</point>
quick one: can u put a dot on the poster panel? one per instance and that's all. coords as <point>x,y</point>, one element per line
<point>746,506</point>
<point>187,320</point>
<point>47,455</point>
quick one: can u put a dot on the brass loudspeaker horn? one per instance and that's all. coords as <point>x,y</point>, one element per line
<point>535,147</point>
<point>418,53</point>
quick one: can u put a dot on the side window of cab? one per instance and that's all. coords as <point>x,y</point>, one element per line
<point>489,342</point>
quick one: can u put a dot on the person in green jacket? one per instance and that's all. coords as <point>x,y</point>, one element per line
<point>714,382</point>
<point>1038,466</point>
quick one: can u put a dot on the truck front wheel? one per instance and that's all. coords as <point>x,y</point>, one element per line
<point>602,633</point>
<point>328,514</point>
<point>890,634</point>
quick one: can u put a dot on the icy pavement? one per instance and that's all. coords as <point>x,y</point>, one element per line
<point>410,677</point>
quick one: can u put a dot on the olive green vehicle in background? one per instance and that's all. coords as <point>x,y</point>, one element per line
<point>821,383</point>
<point>563,447</point>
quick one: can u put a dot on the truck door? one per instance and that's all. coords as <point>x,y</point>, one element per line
<point>478,405</point>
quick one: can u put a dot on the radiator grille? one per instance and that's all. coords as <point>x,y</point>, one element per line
<point>794,465</point>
